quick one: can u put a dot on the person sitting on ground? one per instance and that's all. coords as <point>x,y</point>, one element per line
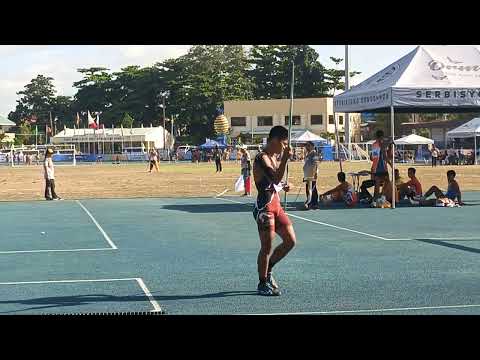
<point>342,193</point>
<point>398,179</point>
<point>450,198</point>
<point>387,190</point>
<point>411,188</point>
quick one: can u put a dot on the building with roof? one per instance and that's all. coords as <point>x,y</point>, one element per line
<point>113,140</point>
<point>313,114</point>
<point>5,124</point>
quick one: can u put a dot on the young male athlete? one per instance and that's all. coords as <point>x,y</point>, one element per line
<point>412,187</point>
<point>268,213</point>
<point>453,194</point>
<point>380,157</point>
<point>343,192</point>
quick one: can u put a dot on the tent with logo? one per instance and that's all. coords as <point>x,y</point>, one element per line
<point>429,79</point>
<point>470,129</point>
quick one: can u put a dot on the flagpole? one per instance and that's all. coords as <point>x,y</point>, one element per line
<point>131,132</point>
<point>121,133</point>
<point>36,135</point>
<point>112,151</point>
<point>290,126</point>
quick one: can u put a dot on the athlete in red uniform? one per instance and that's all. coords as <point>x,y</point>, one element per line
<point>268,212</point>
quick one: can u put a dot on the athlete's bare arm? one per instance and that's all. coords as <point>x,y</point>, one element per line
<point>270,167</point>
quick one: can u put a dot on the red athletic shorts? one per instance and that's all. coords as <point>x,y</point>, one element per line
<point>272,215</point>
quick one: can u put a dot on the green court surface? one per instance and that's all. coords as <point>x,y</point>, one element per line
<point>198,256</point>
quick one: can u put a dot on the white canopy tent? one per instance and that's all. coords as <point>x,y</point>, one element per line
<point>428,79</point>
<point>470,129</point>
<point>413,139</point>
<point>305,136</point>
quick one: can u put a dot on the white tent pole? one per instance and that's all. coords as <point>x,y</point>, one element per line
<point>475,147</point>
<point>347,115</point>
<point>392,124</point>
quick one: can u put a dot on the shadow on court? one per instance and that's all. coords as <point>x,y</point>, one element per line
<point>450,245</point>
<point>67,301</point>
<point>210,208</point>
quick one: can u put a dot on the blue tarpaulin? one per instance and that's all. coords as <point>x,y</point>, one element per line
<point>210,144</point>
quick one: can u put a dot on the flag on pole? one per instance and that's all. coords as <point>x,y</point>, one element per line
<point>91,121</point>
<point>78,120</point>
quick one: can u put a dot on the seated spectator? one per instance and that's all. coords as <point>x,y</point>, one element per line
<point>412,187</point>
<point>452,195</point>
<point>342,193</point>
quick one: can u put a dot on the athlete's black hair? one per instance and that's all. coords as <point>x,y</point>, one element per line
<point>379,134</point>
<point>413,170</point>
<point>451,172</point>
<point>341,176</point>
<point>310,143</point>
<point>278,132</point>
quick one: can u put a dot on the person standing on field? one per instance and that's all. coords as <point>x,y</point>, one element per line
<point>49,174</point>
<point>246,170</point>
<point>217,153</point>
<point>434,155</point>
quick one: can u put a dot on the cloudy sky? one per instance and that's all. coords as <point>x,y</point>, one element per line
<point>20,64</point>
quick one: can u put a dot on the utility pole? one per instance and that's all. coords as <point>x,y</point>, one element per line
<point>163,107</point>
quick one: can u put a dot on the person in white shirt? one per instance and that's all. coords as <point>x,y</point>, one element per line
<point>153,157</point>
<point>49,173</point>
<point>310,174</point>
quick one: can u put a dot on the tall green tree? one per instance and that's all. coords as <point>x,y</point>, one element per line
<point>200,81</point>
<point>36,99</point>
<point>94,91</point>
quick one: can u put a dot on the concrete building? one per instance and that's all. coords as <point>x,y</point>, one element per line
<point>313,114</point>
<point>5,126</point>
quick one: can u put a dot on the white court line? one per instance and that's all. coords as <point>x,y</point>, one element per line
<point>317,222</point>
<point>338,227</point>
<point>140,282</point>
<point>156,306</point>
<point>374,310</point>
<point>222,193</point>
<point>53,250</point>
<point>110,242</point>
<point>364,233</point>
<point>65,281</point>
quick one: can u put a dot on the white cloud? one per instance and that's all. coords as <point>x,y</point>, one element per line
<point>22,63</point>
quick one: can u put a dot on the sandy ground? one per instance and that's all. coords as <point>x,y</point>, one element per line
<point>184,179</point>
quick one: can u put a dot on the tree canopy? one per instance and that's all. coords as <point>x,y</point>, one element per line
<point>194,86</point>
